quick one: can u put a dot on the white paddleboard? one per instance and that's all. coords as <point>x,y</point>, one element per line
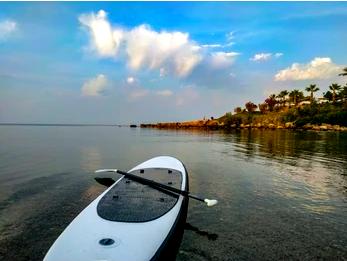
<point>129,221</point>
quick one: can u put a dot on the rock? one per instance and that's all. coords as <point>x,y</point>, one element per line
<point>280,127</point>
<point>336,127</point>
<point>212,123</point>
<point>271,126</point>
<point>323,127</point>
<point>329,126</point>
<point>289,125</point>
<point>307,126</point>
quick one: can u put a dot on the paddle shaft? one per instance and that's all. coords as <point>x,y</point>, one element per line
<point>160,185</point>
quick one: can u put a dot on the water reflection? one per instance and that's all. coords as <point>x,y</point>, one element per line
<point>308,169</point>
<point>208,235</point>
<point>282,194</point>
<point>289,145</point>
<point>305,165</point>
<point>90,159</point>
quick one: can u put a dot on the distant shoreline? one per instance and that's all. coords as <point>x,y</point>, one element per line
<point>219,124</point>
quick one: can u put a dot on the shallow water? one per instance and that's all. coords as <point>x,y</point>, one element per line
<point>283,194</point>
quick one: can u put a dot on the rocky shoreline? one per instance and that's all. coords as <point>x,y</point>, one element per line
<point>215,125</point>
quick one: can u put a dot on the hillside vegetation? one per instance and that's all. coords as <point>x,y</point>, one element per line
<point>287,109</point>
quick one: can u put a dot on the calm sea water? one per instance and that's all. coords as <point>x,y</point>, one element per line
<point>282,194</point>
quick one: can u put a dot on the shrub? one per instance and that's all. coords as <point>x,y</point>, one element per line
<point>238,110</point>
<point>228,119</point>
<point>291,115</point>
<point>302,121</point>
<point>263,107</point>
<point>237,120</point>
<point>339,118</point>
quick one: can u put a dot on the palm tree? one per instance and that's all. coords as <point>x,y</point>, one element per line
<point>296,95</point>
<point>344,72</point>
<point>312,88</point>
<point>271,102</point>
<point>328,95</point>
<point>343,94</point>
<point>334,88</point>
<point>282,95</point>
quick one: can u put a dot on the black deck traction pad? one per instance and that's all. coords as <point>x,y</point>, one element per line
<point>130,201</point>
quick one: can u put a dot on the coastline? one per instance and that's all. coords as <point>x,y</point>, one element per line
<point>218,125</point>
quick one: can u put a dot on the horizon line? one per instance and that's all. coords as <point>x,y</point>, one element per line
<point>62,124</point>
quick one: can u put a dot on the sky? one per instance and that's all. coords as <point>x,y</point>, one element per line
<point>141,62</point>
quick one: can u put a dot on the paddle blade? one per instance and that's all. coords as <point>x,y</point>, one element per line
<point>105,170</point>
<point>211,202</point>
<point>108,182</point>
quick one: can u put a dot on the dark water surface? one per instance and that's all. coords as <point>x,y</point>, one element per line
<point>283,194</point>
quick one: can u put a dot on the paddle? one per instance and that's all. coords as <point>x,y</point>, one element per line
<point>108,182</point>
<point>153,184</point>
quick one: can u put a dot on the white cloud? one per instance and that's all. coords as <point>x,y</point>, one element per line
<point>262,57</point>
<point>165,93</point>
<point>7,27</point>
<point>142,46</point>
<point>94,86</point>
<point>104,39</point>
<point>211,45</point>
<point>229,37</point>
<point>228,44</point>
<point>131,80</point>
<point>223,59</point>
<point>318,68</point>
<point>154,50</point>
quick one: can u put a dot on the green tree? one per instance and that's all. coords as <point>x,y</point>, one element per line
<point>282,97</point>
<point>250,106</point>
<point>228,114</point>
<point>228,119</point>
<point>312,89</point>
<point>334,88</point>
<point>344,72</point>
<point>296,96</point>
<point>262,107</point>
<point>328,95</point>
<point>343,93</point>
<point>238,110</point>
<point>271,102</point>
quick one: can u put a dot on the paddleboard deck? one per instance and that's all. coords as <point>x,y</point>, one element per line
<point>130,221</point>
